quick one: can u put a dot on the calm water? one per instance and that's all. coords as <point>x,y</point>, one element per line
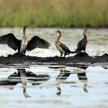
<point>37,87</point>
<point>54,86</point>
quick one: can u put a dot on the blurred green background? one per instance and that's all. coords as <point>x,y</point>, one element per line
<point>54,13</point>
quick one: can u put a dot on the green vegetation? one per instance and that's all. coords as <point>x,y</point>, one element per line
<point>54,13</point>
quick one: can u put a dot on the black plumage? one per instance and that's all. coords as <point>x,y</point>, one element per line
<point>15,43</point>
<point>82,43</point>
<point>10,40</point>
<point>37,42</point>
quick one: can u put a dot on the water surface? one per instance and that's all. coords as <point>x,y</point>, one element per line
<point>80,88</point>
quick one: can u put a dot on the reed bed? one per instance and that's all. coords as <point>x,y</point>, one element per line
<point>54,13</point>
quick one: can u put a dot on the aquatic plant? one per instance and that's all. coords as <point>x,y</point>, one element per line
<point>54,13</point>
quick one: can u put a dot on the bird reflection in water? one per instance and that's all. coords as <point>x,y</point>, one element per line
<point>24,77</point>
<point>82,77</point>
<point>64,74</point>
<point>24,81</point>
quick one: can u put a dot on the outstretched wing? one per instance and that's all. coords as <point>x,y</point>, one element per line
<point>37,42</point>
<point>10,40</point>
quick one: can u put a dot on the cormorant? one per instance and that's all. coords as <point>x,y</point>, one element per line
<point>82,43</point>
<point>63,49</point>
<point>23,44</point>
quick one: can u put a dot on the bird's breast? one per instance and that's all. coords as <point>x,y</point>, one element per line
<point>24,42</point>
<point>59,48</point>
<point>23,47</point>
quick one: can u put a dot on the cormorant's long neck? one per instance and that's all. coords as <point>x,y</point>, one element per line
<point>24,33</point>
<point>84,33</point>
<point>58,37</point>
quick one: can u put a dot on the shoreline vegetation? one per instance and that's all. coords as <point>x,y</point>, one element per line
<point>54,13</point>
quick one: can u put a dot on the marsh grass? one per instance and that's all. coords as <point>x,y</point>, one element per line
<point>54,13</point>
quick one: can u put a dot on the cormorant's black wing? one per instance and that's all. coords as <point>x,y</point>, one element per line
<point>10,40</point>
<point>64,47</point>
<point>82,43</point>
<point>37,42</point>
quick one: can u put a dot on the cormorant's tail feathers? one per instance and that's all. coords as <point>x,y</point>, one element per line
<point>73,51</point>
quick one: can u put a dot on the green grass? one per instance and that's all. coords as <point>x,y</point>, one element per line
<point>54,13</point>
